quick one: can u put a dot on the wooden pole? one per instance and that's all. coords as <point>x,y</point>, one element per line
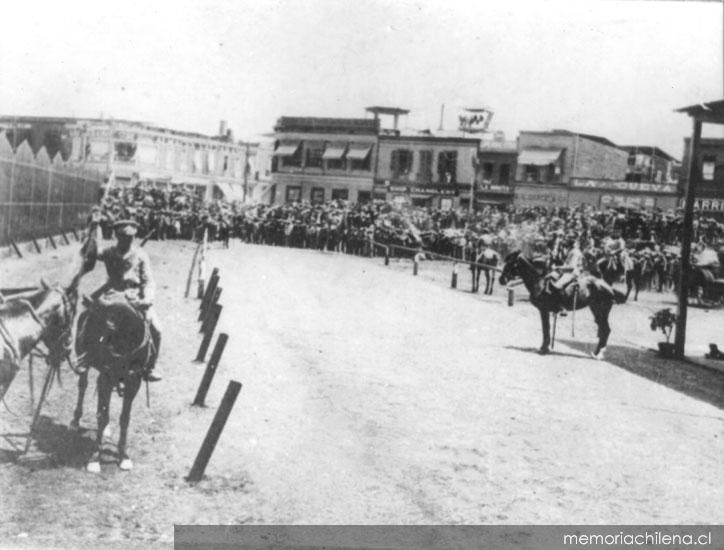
<point>210,370</point>
<point>680,337</point>
<point>209,292</point>
<point>212,436</point>
<point>52,242</point>
<point>215,314</point>
<point>207,316</point>
<point>454,281</point>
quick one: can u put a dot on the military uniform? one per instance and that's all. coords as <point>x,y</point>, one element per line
<point>130,274</point>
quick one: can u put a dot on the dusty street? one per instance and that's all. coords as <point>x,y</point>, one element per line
<point>370,396</point>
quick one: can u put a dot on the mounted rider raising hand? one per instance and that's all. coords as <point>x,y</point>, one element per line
<point>129,273</point>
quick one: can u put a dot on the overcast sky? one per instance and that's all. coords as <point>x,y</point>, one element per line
<point>612,68</point>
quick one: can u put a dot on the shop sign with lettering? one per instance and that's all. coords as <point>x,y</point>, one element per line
<point>633,186</point>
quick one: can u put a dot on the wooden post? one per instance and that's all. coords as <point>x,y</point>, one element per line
<point>454,281</point>
<point>511,296</point>
<point>16,249</point>
<point>215,314</point>
<point>210,370</point>
<point>37,246</point>
<point>387,256</point>
<point>207,317</point>
<point>52,242</point>
<point>208,293</point>
<point>75,234</point>
<point>212,436</point>
<point>680,337</point>
<point>65,238</point>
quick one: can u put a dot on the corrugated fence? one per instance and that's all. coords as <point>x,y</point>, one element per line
<point>40,196</point>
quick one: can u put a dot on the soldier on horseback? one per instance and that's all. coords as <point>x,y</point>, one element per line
<point>129,273</point>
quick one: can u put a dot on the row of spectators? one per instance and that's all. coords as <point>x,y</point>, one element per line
<point>173,214</point>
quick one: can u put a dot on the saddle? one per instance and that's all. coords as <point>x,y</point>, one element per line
<point>113,333</point>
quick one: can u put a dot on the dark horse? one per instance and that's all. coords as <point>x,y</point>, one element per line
<point>588,291</point>
<point>114,338</point>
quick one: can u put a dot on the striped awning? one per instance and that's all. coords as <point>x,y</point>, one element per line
<point>358,152</point>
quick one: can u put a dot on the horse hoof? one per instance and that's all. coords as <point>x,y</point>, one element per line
<point>93,467</point>
<point>107,433</point>
<point>126,464</point>
<point>597,356</point>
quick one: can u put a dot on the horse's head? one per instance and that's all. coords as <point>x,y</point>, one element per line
<point>53,307</point>
<point>510,268</point>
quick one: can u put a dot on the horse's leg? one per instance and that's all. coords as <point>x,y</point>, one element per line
<point>546,326</point>
<point>104,400</point>
<point>629,283</point>
<point>129,395</point>
<point>489,282</point>
<point>604,330</point>
<point>82,386</point>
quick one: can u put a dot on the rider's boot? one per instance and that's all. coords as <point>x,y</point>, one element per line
<point>148,374</point>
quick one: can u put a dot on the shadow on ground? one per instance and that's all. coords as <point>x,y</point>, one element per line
<point>553,352</point>
<point>697,382</point>
<point>53,446</point>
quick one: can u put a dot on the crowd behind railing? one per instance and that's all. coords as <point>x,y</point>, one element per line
<point>353,228</point>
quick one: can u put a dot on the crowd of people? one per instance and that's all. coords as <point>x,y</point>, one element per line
<point>354,228</point>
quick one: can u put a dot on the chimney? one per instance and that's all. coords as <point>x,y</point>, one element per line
<point>222,128</point>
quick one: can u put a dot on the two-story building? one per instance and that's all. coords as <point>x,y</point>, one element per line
<point>426,169</point>
<point>563,168</point>
<point>320,159</point>
<point>136,151</point>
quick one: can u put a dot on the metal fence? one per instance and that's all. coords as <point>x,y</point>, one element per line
<point>40,196</point>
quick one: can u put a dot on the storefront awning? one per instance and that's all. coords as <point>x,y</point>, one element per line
<point>334,152</point>
<point>287,149</point>
<point>359,152</point>
<point>539,157</point>
<point>225,189</point>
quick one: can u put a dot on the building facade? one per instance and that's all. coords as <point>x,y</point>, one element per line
<point>562,168</point>
<point>214,166</point>
<point>424,169</point>
<point>321,159</point>
<point>648,164</point>
<point>710,181</point>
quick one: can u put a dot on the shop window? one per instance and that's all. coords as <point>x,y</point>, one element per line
<point>337,164</point>
<point>531,173</point>
<point>708,167</point>
<point>447,166</point>
<point>317,196</point>
<point>360,164</point>
<point>294,193</point>
<point>125,152</point>
<point>340,194</point>
<point>363,197</point>
<point>400,162</point>
<point>487,172</point>
<point>314,157</point>
<point>504,178</point>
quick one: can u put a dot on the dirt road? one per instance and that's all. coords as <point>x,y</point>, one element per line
<point>371,396</point>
